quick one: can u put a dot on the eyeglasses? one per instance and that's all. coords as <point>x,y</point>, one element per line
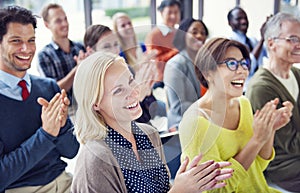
<point>292,39</point>
<point>233,64</point>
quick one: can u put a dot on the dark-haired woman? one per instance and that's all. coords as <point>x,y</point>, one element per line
<point>221,124</point>
<point>181,84</point>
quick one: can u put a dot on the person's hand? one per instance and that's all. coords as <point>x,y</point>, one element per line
<point>147,57</point>
<point>201,177</point>
<point>264,121</point>
<point>144,77</point>
<point>263,27</point>
<point>283,114</point>
<point>54,113</point>
<point>145,73</point>
<point>65,102</point>
<point>82,55</point>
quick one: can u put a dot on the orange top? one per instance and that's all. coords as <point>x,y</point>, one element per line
<point>164,46</point>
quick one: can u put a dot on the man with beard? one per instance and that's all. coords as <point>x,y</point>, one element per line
<point>34,133</point>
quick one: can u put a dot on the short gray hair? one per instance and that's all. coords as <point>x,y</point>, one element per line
<point>273,26</point>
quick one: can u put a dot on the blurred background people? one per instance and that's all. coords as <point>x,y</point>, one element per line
<point>56,59</point>
<point>238,21</point>
<point>161,37</point>
<point>131,50</point>
<point>100,38</point>
<point>181,83</point>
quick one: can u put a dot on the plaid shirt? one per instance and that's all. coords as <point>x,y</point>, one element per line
<point>54,63</point>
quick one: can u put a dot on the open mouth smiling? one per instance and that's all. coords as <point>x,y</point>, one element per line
<point>238,83</point>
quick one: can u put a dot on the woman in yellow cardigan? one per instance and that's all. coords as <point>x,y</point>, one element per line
<point>221,124</point>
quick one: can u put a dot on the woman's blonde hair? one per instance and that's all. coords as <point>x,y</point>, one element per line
<point>131,60</point>
<point>88,88</point>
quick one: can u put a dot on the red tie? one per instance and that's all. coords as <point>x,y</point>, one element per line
<point>25,93</point>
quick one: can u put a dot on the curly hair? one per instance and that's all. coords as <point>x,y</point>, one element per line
<point>15,14</point>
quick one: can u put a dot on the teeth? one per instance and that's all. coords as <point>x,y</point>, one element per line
<point>132,105</point>
<point>24,57</point>
<point>238,81</point>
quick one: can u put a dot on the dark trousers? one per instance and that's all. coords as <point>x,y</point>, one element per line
<point>292,185</point>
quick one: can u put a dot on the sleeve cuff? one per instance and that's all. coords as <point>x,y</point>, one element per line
<point>47,135</point>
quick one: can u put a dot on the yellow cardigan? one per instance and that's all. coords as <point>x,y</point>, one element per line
<point>197,134</point>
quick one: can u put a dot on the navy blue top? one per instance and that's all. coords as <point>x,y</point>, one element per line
<point>28,155</point>
<point>147,175</point>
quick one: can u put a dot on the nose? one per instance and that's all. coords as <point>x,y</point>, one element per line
<point>201,37</point>
<point>244,21</point>
<point>65,22</point>
<point>133,92</point>
<point>115,50</point>
<point>24,47</point>
<point>173,15</point>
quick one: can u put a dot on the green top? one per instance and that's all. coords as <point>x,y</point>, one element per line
<point>264,87</point>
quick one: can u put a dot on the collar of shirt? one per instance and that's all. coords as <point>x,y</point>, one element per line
<point>164,29</point>
<point>238,36</point>
<point>9,85</point>
<point>117,137</point>
<point>56,46</point>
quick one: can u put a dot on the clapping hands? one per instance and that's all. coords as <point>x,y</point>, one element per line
<point>54,113</point>
<point>269,119</point>
<point>145,73</point>
<point>200,177</point>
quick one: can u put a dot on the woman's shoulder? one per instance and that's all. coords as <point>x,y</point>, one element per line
<point>98,149</point>
<point>243,100</point>
<point>148,129</point>
<point>179,61</point>
<point>194,115</point>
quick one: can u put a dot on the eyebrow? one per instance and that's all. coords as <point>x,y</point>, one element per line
<point>233,58</point>
<point>120,85</point>
<point>20,37</point>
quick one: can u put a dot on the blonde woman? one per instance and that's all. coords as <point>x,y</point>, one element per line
<point>131,50</point>
<point>135,55</point>
<point>118,154</point>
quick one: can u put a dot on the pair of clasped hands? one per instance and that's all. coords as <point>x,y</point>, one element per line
<point>54,113</point>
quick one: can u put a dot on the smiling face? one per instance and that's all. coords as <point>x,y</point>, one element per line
<point>57,23</point>
<point>17,49</point>
<point>285,51</point>
<point>124,27</point>
<point>171,15</point>
<point>120,102</point>
<point>239,21</point>
<point>227,81</point>
<point>196,36</point>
